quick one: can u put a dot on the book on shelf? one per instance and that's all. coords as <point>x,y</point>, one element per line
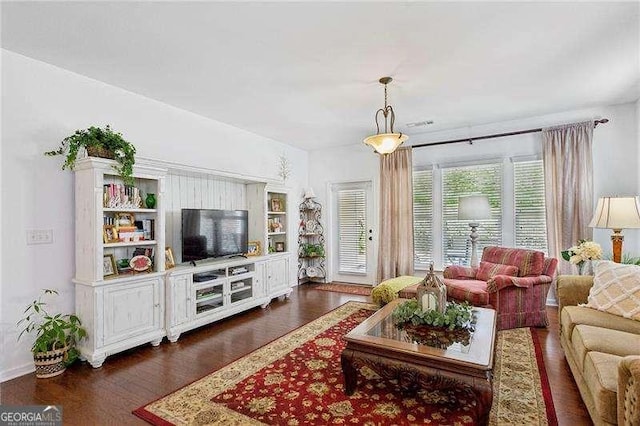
<point>148,226</point>
<point>121,196</point>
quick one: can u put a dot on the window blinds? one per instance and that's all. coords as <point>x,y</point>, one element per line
<point>530,221</point>
<point>422,218</point>
<point>352,220</point>
<point>483,179</point>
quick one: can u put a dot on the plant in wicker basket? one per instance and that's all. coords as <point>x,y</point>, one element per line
<point>56,336</point>
<point>103,143</point>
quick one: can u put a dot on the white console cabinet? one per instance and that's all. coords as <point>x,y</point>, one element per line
<point>213,290</point>
<point>278,273</point>
<point>120,315</point>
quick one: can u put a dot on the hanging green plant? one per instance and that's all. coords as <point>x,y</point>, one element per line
<point>103,143</point>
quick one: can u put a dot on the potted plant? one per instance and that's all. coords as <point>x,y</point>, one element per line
<point>313,250</point>
<point>56,336</point>
<point>103,143</point>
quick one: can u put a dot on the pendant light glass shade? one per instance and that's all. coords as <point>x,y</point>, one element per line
<point>386,143</point>
<point>389,141</point>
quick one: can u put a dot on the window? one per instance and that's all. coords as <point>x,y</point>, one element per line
<point>530,221</point>
<point>422,218</point>
<point>352,236</point>
<point>483,179</point>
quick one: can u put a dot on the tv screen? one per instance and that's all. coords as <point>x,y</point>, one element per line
<point>213,233</point>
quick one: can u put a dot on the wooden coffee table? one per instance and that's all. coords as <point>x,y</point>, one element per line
<point>380,345</point>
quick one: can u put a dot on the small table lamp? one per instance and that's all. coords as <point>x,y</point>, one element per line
<point>617,213</point>
<point>474,208</point>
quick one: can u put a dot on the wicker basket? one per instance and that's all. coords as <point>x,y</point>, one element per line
<point>51,363</point>
<point>98,151</point>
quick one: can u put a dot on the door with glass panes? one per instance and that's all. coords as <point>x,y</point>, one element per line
<point>353,238</point>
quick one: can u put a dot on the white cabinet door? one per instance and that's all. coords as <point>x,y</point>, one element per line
<point>277,274</point>
<point>132,309</point>
<point>180,305</point>
<point>259,279</point>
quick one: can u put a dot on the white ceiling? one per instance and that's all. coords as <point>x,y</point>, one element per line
<point>306,73</point>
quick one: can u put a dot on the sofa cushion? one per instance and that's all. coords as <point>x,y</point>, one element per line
<point>601,375</point>
<point>473,291</point>
<point>573,315</point>
<point>529,262</point>
<point>488,270</point>
<point>587,338</point>
<point>616,289</point>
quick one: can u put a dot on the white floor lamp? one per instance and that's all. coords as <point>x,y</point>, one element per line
<point>474,208</point>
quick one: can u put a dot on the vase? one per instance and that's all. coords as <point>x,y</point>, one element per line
<point>585,267</point>
<point>150,201</point>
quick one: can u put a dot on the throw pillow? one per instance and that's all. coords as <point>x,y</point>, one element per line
<point>616,289</point>
<point>488,270</point>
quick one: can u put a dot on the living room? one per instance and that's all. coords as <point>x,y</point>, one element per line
<point>196,90</point>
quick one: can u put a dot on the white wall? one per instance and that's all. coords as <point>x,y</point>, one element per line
<point>616,156</point>
<point>41,104</point>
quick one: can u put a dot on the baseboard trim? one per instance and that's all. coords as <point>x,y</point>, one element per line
<point>12,373</point>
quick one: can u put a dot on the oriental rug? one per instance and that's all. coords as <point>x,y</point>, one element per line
<point>361,290</point>
<point>297,380</point>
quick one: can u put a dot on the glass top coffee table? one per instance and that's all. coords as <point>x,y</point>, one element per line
<point>424,357</point>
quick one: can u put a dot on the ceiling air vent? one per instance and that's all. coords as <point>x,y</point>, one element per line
<point>420,123</point>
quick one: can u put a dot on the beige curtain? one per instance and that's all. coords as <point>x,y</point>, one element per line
<point>568,180</point>
<point>395,249</point>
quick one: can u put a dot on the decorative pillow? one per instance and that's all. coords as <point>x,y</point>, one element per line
<point>488,270</point>
<point>616,289</point>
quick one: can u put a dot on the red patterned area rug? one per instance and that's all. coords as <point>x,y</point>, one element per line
<point>346,288</point>
<point>297,380</point>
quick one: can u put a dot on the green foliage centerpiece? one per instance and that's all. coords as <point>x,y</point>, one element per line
<point>434,328</point>
<point>455,316</point>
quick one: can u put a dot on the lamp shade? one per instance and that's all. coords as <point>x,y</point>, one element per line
<point>474,207</point>
<point>309,193</point>
<point>385,143</point>
<point>616,213</point>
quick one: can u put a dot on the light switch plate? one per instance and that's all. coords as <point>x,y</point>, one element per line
<point>39,236</point>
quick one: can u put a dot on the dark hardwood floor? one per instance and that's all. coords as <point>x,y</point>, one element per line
<point>131,379</point>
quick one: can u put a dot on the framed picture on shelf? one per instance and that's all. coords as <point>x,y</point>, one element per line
<point>279,246</point>
<point>169,261</point>
<point>109,234</point>
<point>143,251</point>
<point>109,266</point>
<point>254,249</point>
<point>276,205</point>
<point>275,225</point>
<point>125,219</point>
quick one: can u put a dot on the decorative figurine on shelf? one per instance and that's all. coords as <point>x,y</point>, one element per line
<point>432,293</point>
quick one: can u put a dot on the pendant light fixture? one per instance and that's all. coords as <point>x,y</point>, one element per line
<point>387,142</point>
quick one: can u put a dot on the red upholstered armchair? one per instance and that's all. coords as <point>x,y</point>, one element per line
<point>512,281</point>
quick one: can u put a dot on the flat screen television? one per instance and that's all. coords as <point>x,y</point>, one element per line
<point>213,233</point>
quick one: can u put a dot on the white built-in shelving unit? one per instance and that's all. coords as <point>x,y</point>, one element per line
<point>131,308</point>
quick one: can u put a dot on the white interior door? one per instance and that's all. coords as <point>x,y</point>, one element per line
<point>352,254</point>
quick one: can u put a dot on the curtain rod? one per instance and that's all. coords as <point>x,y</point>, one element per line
<point>496,135</point>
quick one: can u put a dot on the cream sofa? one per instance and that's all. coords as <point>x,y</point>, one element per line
<point>603,352</point>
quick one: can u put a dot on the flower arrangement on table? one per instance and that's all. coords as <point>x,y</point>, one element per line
<point>585,250</point>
